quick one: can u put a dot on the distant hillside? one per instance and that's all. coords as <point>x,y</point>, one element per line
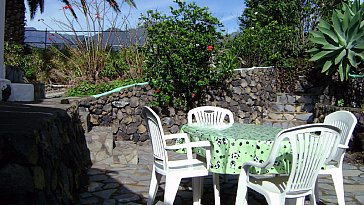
<point>113,37</point>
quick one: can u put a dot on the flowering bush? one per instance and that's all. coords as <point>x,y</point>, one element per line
<point>182,55</point>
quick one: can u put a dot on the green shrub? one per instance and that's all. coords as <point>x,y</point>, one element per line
<point>34,62</point>
<point>275,33</point>
<point>269,45</point>
<point>115,66</point>
<point>182,54</point>
<point>14,54</point>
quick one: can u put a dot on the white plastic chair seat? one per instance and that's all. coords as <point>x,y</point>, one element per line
<point>275,185</point>
<point>196,166</point>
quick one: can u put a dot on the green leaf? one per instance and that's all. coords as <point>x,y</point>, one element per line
<point>351,58</point>
<point>353,28</point>
<point>341,72</point>
<point>340,57</point>
<point>313,50</point>
<point>337,27</point>
<point>358,35</point>
<point>324,24</point>
<point>316,34</point>
<point>330,47</point>
<point>359,46</point>
<point>347,70</point>
<point>326,66</point>
<point>361,55</point>
<point>355,21</point>
<point>329,33</point>
<point>346,20</point>
<point>319,40</point>
<point>320,55</point>
<point>336,22</point>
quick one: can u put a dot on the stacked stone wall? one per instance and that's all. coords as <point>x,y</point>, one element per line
<point>43,155</point>
<point>247,94</point>
<point>357,141</point>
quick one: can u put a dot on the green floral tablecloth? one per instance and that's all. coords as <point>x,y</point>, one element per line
<point>233,145</point>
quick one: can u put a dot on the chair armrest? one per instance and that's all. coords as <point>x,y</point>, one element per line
<point>189,145</point>
<point>265,165</point>
<point>342,146</point>
<point>177,136</point>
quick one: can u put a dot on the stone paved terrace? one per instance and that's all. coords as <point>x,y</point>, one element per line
<point>128,184</point>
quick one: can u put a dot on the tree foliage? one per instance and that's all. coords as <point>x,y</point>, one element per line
<point>182,55</point>
<point>302,15</point>
<point>275,33</point>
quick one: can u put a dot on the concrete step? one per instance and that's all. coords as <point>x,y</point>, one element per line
<point>292,98</point>
<point>306,117</point>
<point>291,107</point>
<point>283,123</point>
<point>125,152</point>
<point>100,143</point>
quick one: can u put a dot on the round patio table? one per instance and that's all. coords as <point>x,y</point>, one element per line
<point>233,145</point>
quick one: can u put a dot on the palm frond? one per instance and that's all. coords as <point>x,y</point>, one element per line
<point>34,5</point>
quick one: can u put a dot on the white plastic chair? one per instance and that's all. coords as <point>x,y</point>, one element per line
<point>210,115</point>
<point>177,169</point>
<point>310,146</point>
<point>346,121</point>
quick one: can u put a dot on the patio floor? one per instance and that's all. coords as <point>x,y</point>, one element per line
<point>128,184</point>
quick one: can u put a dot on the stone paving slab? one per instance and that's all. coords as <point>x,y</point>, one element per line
<point>128,184</point>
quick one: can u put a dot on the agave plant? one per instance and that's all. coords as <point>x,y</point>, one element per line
<point>339,45</point>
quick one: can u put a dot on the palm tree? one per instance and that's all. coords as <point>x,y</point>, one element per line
<point>15,16</point>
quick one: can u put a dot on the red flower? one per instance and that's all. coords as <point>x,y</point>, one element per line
<point>210,48</point>
<point>68,6</point>
<point>193,95</point>
<point>157,90</point>
<point>50,39</point>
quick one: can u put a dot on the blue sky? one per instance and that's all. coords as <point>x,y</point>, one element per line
<point>226,11</point>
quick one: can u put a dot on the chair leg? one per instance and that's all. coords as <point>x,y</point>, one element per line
<point>275,199</point>
<point>170,191</point>
<point>242,192</point>
<point>216,181</point>
<point>315,196</point>
<point>197,190</point>
<point>153,187</point>
<point>300,201</point>
<point>337,178</point>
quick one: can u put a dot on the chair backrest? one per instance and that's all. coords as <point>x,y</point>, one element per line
<point>156,134</point>
<point>346,121</point>
<point>210,115</point>
<point>311,145</point>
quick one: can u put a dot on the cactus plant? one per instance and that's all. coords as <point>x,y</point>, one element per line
<point>339,45</point>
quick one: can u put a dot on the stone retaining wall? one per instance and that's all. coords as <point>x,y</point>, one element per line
<point>247,94</point>
<point>43,155</point>
<point>357,141</point>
